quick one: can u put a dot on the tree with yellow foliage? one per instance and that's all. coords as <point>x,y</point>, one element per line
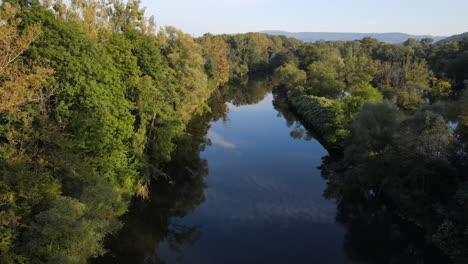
<point>19,84</point>
<point>215,51</point>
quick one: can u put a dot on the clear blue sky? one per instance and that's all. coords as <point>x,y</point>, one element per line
<point>434,17</point>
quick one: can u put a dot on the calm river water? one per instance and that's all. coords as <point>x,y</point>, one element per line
<point>263,200</point>
<point>258,200</point>
<point>244,187</point>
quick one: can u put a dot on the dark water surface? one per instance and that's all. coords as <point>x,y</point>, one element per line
<point>263,201</point>
<point>252,195</point>
<point>244,187</point>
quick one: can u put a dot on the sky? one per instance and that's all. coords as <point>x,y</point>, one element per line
<point>422,17</point>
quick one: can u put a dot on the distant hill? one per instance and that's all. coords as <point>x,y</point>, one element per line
<point>330,36</point>
<point>458,37</point>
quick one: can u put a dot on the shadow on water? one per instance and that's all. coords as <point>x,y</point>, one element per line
<point>150,221</point>
<point>375,232</point>
<point>261,203</point>
<point>298,131</point>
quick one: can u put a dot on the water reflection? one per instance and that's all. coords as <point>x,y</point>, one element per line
<point>376,231</point>
<point>247,91</point>
<point>217,140</point>
<point>151,222</point>
<point>262,201</point>
<point>284,111</point>
<point>245,187</point>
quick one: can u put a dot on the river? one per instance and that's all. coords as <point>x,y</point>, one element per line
<point>253,195</point>
<point>245,186</point>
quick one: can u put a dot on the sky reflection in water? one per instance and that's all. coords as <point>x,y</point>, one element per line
<point>263,201</point>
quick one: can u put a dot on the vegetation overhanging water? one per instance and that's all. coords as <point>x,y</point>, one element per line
<point>95,104</point>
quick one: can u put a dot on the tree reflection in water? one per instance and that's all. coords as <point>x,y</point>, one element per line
<point>376,231</point>
<point>150,222</point>
<point>298,131</point>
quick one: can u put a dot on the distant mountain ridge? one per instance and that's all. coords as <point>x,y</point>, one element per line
<point>332,36</point>
<point>458,37</point>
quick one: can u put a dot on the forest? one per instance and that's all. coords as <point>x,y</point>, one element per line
<point>95,99</point>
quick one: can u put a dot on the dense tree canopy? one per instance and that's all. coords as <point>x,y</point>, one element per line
<point>95,101</point>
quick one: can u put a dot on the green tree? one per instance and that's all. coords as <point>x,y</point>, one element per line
<point>404,83</point>
<point>325,78</point>
<point>373,129</point>
<point>65,234</point>
<point>290,76</point>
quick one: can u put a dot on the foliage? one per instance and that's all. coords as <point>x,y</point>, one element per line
<point>215,51</point>
<point>65,233</point>
<point>323,115</point>
<point>289,76</point>
<point>405,83</point>
<point>96,131</point>
<point>19,84</point>
<point>94,103</point>
<point>324,78</point>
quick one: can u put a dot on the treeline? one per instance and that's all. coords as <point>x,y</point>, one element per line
<point>394,118</point>
<point>346,75</point>
<point>93,98</point>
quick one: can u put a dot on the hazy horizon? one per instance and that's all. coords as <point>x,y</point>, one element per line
<point>355,32</point>
<point>418,17</point>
